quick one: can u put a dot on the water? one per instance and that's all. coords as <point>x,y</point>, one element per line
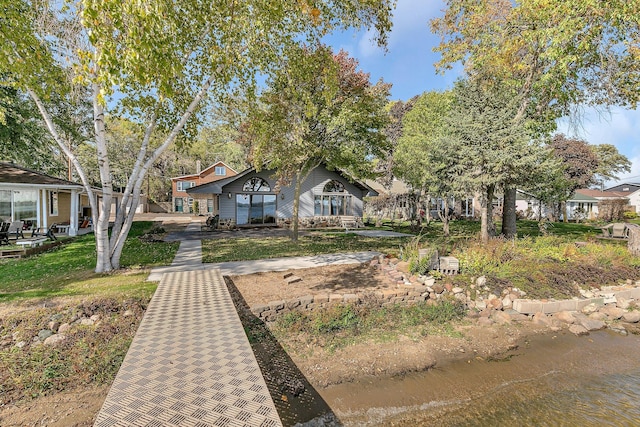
<point>557,380</point>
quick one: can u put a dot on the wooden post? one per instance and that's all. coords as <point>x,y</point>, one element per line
<point>634,239</point>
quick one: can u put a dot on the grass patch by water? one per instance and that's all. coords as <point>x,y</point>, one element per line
<point>346,324</point>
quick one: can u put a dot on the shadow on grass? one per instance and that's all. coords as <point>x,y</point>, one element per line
<point>295,398</point>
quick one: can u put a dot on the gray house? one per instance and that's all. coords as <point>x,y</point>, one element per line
<point>253,198</point>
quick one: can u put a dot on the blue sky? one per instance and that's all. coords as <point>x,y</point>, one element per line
<point>408,65</point>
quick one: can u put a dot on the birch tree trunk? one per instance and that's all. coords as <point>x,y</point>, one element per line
<point>296,207</point>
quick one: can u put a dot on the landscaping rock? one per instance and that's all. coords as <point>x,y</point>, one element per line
<point>623,303</point>
<point>612,312</point>
<point>481,281</point>
<point>598,316</point>
<point>578,330</point>
<point>495,304</point>
<point>565,317</point>
<point>95,317</point>
<point>590,308</point>
<point>54,325</point>
<point>457,290</point>
<point>292,279</point>
<point>403,266</point>
<point>87,321</point>
<point>631,316</point>
<point>54,340</point>
<point>619,329</point>
<point>438,288</point>
<point>21,344</point>
<point>127,313</point>
<point>507,302</point>
<point>501,318</point>
<point>44,334</point>
<point>540,318</point>
<point>591,324</point>
<point>64,328</point>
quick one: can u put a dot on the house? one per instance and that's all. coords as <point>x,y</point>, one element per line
<point>253,198</point>
<point>631,191</point>
<point>41,200</point>
<point>201,204</point>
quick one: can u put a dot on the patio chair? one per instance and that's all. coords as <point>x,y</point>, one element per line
<point>15,228</point>
<point>40,231</point>
<point>4,232</point>
<point>619,230</point>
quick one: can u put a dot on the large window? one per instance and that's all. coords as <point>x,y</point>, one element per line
<point>221,170</point>
<point>183,185</point>
<point>255,209</point>
<point>333,201</point>
<point>5,205</point>
<point>25,205</point>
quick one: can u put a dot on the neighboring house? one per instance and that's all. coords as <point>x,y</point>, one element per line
<point>400,209</point>
<point>631,191</point>
<point>184,202</point>
<point>41,200</point>
<point>253,198</point>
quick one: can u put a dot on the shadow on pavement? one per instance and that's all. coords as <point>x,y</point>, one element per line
<point>297,402</point>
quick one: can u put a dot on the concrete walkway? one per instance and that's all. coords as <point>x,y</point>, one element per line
<point>190,363</point>
<point>264,265</point>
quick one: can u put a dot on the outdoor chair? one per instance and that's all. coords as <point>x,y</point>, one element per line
<point>15,229</point>
<point>40,231</point>
<point>4,233</point>
<point>616,230</point>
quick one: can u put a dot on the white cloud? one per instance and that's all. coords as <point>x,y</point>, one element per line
<point>410,24</point>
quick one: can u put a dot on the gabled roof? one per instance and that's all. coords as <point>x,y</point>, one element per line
<point>625,184</point>
<point>600,194</point>
<point>215,187</point>
<point>17,175</point>
<point>196,175</point>
<point>397,187</point>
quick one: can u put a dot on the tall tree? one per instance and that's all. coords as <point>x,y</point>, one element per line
<point>319,110</point>
<point>426,157</point>
<point>496,150</point>
<point>163,60</point>
<point>554,54</point>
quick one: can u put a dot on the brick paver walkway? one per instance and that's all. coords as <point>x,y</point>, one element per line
<point>190,363</point>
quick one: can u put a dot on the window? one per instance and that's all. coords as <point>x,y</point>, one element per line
<point>256,184</point>
<point>221,170</point>
<point>24,205</point>
<point>209,205</point>
<point>5,205</point>
<point>178,204</point>
<point>333,201</point>
<point>53,203</point>
<point>333,187</point>
<point>625,189</point>
<point>183,185</point>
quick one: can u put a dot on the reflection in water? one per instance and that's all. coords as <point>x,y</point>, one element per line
<point>569,381</point>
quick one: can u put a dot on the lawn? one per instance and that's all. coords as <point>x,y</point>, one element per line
<point>68,269</point>
<point>221,250</point>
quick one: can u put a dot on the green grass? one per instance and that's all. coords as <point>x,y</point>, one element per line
<point>342,325</point>
<point>222,250</point>
<point>69,269</point>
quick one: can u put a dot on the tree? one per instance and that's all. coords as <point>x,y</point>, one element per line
<point>495,150</point>
<point>319,110</point>
<point>610,162</point>
<point>162,61</point>
<point>555,55</point>
<point>425,157</point>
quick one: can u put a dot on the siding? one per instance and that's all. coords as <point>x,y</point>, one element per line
<point>313,185</point>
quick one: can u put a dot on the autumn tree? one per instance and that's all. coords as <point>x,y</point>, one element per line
<point>320,109</point>
<point>554,54</point>
<point>157,63</point>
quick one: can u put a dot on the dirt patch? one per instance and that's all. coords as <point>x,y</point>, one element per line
<point>72,408</point>
<point>261,288</point>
